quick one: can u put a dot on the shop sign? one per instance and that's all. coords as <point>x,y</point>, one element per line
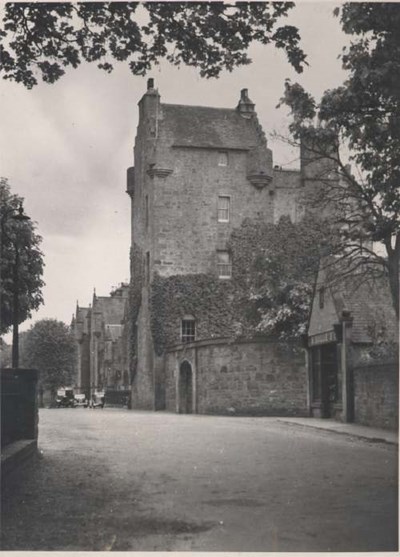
<point>322,338</point>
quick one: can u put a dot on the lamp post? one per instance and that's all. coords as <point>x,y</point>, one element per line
<point>19,217</point>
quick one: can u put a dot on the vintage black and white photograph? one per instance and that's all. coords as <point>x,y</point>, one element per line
<point>200,241</point>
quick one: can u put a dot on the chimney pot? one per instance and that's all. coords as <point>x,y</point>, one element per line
<point>150,83</point>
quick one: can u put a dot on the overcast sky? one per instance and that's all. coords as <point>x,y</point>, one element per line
<point>66,147</point>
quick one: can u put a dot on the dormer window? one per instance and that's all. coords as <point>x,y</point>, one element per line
<point>222,158</point>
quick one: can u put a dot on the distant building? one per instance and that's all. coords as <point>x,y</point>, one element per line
<point>352,352</point>
<point>101,361</point>
<point>199,173</point>
<point>80,326</point>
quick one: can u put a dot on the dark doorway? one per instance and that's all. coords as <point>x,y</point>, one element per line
<point>326,385</point>
<point>329,379</point>
<point>185,389</point>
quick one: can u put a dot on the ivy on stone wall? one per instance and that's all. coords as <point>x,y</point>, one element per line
<point>269,294</point>
<point>209,300</point>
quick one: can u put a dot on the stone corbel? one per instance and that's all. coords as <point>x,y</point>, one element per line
<point>159,172</point>
<point>259,181</point>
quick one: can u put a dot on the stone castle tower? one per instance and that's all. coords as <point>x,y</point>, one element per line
<point>199,172</point>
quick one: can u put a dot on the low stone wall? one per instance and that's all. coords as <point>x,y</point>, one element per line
<point>376,395</point>
<point>19,405</point>
<point>241,378</point>
<point>19,418</point>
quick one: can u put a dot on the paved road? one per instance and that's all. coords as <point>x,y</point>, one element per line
<point>134,481</point>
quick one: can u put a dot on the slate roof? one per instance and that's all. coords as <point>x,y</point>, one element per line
<point>207,127</point>
<point>370,305</point>
<point>81,313</point>
<point>81,319</point>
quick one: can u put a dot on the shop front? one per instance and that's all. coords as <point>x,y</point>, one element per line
<point>325,376</point>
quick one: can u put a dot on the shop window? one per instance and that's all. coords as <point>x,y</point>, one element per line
<point>316,373</point>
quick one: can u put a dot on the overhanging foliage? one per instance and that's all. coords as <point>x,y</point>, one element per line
<point>43,39</point>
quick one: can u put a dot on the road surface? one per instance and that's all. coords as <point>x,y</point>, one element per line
<point>114,479</point>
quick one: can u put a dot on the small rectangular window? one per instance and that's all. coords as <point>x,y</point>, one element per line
<point>224,264</point>
<point>147,211</point>
<point>188,332</point>
<point>147,268</point>
<point>222,158</point>
<point>223,208</point>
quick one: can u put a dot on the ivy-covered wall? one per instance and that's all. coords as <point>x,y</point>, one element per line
<point>266,295</point>
<point>209,300</point>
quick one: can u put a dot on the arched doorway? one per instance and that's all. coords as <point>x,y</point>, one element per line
<point>185,388</point>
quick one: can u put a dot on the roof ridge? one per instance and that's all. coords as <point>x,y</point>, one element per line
<point>200,106</point>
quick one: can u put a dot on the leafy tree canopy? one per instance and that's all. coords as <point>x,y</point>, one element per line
<point>275,266</point>
<point>42,39</point>
<point>361,120</point>
<point>49,346</point>
<point>22,237</point>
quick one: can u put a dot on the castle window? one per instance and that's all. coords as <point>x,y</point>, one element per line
<point>223,208</point>
<point>188,329</point>
<point>147,211</point>
<point>222,158</point>
<point>224,264</point>
<point>147,267</point>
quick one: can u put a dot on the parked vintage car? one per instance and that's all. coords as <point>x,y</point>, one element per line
<point>65,398</point>
<point>81,401</point>
<point>98,399</point>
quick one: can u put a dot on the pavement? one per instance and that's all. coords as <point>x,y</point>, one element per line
<point>118,480</point>
<point>354,430</point>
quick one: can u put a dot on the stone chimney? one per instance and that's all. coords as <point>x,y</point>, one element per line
<point>245,105</point>
<point>149,110</point>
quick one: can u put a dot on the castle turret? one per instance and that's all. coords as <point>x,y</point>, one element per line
<point>318,159</point>
<point>259,157</point>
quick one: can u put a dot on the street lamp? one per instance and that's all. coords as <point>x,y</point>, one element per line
<point>19,217</point>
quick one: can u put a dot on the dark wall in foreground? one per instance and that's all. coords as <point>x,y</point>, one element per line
<point>19,405</point>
